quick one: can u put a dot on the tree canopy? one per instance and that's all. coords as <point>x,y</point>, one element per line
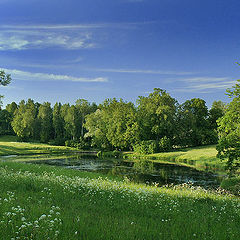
<point>229,130</point>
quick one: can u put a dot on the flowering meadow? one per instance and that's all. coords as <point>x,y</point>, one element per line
<point>45,202</point>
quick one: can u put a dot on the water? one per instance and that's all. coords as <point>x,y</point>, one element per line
<point>137,171</point>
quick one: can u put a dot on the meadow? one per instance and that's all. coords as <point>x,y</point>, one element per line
<point>202,158</point>
<point>45,202</point>
<point>10,146</point>
<point>49,202</point>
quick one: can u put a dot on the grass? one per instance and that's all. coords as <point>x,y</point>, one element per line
<point>203,158</point>
<point>44,202</point>
<point>10,146</point>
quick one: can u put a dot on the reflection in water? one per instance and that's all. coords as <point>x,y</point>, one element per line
<point>138,171</point>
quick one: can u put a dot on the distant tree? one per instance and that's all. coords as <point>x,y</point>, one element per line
<point>84,108</point>
<point>45,118</point>
<point>58,124</point>
<point>97,129</point>
<point>229,131</point>
<point>5,122</point>
<point>156,115</point>
<point>71,120</point>
<point>217,111</point>
<point>192,122</point>
<point>24,122</point>
<point>113,125</point>
<point>11,108</point>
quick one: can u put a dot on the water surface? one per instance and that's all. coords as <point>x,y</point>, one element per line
<point>138,170</point>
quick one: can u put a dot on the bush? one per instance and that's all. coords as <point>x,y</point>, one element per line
<point>164,144</point>
<point>146,147</point>
<point>71,143</point>
<point>232,185</point>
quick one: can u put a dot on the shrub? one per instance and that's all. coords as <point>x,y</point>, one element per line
<point>232,185</point>
<point>146,147</point>
<point>164,144</point>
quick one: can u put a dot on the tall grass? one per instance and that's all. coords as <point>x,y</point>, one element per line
<point>43,202</point>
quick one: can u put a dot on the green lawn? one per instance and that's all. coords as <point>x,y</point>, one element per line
<point>43,202</point>
<point>10,146</point>
<point>203,157</point>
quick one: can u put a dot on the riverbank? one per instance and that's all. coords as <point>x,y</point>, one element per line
<point>79,205</point>
<point>202,158</point>
<point>10,146</point>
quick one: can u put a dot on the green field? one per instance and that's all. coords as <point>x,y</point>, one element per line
<point>10,146</point>
<point>43,202</point>
<point>203,157</point>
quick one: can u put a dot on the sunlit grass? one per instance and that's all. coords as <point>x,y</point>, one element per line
<point>43,202</point>
<point>9,146</point>
<point>203,157</point>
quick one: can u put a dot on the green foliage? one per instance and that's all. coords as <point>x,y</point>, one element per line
<point>192,123</point>
<point>146,147</point>
<point>165,144</point>
<point>45,120</point>
<point>156,115</point>
<point>232,185</point>
<point>5,79</point>
<point>229,144</point>
<point>113,125</point>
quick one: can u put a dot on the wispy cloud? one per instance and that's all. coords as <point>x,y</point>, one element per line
<point>66,36</point>
<point>22,40</point>
<point>30,76</point>
<point>141,71</point>
<point>205,84</point>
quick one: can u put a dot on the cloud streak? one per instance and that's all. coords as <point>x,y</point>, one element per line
<point>206,84</point>
<point>29,76</point>
<point>142,71</point>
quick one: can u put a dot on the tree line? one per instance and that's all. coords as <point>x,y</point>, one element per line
<point>155,123</point>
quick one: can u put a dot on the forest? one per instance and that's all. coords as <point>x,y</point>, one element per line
<point>155,123</point>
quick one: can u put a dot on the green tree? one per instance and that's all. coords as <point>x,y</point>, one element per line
<point>229,131</point>
<point>45,118</point>
<point>5,122</point>
<point>192,122</point>
<point>97,129</point>
<point>157,115</point>
<point>113,125</point>
<point>5,79</point>
<point>71,122</point>
<point>24,122</point>
<point>58,124</point>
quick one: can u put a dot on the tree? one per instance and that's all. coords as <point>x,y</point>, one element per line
<point>5,122</point>
<point>229,131</point>
<point>156,115</point>
<point>58,124</point>
<point>46,122</point>
<point>5,79</point>
<point>192,122</point>
<point>113,125</point>
<point>25,120</point>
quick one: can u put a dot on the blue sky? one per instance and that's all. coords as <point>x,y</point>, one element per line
<point>62,50</point>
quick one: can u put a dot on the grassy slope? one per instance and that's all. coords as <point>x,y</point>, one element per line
<point>9,146</point>
<point>200,157</point>
<point>43,202</point>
